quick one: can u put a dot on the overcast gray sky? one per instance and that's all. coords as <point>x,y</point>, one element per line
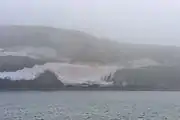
<point>137,21</point>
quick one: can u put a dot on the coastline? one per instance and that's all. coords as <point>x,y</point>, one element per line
<point>84,89</point>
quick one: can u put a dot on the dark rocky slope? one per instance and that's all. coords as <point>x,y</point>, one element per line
<point>46,80</point>
<point>151,78</point>
<point>14,63</point>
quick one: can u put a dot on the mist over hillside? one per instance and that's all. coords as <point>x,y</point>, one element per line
<point>78,58</point>
<point>79,47</point>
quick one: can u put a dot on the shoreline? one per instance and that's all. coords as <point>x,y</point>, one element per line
<point>83,89</point>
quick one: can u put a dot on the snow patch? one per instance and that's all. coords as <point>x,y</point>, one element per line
<point>68,73</point>
<point>33,52</point>
<point>145,62</point>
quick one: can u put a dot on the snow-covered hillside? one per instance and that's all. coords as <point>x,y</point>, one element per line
<point>68,73</point>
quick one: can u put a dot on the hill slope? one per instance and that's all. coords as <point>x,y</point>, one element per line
<point>79,47</point>
<point>153,78</point>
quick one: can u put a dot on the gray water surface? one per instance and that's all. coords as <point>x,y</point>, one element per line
<point>89,105</point>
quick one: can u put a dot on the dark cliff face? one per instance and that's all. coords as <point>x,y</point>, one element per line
<point>46,80</point>
<point>153,77</point>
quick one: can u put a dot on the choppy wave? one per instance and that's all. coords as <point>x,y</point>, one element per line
<point>89,106</point>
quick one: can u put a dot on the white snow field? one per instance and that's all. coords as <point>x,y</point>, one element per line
<point>67,73</point>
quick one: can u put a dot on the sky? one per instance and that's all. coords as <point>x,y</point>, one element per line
<point>134,21</point>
